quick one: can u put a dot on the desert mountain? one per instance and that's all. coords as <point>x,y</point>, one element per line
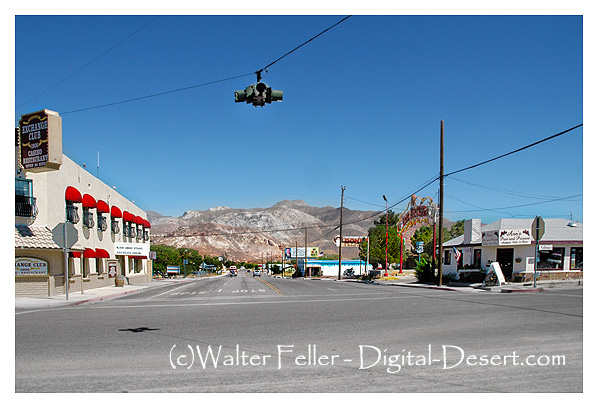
<point>254,234</point>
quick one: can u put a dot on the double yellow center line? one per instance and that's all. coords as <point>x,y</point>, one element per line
<point>275,289</point>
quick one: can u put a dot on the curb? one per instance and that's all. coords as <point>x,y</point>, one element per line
<point>523,290</point>
<point>106,297</point>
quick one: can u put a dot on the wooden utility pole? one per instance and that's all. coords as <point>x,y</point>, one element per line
<point>441,165</point>
<point>306,253</point>
<point>341,230</point>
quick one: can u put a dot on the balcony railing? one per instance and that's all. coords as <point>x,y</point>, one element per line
<point>25,206</point>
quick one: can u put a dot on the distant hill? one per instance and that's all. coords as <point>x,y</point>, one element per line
<point>252,234</point>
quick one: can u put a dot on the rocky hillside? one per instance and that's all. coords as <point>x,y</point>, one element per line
<point>251,234</point>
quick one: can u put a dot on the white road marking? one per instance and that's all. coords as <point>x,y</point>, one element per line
<point>166,292</point>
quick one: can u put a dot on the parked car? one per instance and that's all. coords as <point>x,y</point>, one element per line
<point>256,273</point>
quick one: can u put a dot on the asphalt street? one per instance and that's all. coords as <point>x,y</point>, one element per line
<point>265,334</point>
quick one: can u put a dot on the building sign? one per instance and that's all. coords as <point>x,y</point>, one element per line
<point>131,249</point>
<point>300,252</point>
<point>506,237</point>
<point>424,212</point>
<point>349,241</point>
<point>112,268</point>
<point>29,266</point>
<point>41,141</point>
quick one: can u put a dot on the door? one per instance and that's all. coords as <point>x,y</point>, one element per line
<point>505,258</point>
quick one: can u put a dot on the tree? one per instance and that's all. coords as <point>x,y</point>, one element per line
<point>377,237</point>
<point>165,256</point>
<point>457,229</point>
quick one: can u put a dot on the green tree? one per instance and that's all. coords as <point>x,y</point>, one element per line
<point>165,256</point>
<point>377,237</point>
<point>457,229</point>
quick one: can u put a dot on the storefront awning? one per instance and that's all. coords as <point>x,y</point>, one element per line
<point>139,221</point>
<point>147,224</point>
<point>72,195</point>
<point>116,212</point>
<point>128,217</point>
<point>75,254</point>
<point>102,207</point>
<point>101,253</point>
<point>88,201</point>
<point>89,253</point>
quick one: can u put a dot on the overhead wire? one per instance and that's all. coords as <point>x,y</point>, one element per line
<point>205,83</point>
<point>90,62</point>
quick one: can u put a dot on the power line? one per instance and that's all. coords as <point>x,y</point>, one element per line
<point>206,83</point>
<point>509,192</point>
<point>518,206</point>
<point>304,43</point>
<point>512,152</point>
<point>92,61</point>
<point>157,94</point>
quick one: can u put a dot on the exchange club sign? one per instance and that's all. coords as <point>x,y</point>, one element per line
<point>40,141</point>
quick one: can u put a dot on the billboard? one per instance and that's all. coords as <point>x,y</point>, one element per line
<point>40,141</point>
<point>291,252</point>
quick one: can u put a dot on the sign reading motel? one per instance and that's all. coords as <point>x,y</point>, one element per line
<point>41,141</point>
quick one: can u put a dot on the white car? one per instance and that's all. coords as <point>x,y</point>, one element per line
<point>256,273</point>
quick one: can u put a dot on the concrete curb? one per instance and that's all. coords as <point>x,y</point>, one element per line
<point>522,290</point>
<point>106,297</point>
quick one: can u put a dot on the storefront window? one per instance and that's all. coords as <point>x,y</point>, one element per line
<point>477,258</point>
<point>446,258</point>
<point>551,259</point>
<point>576,258</point>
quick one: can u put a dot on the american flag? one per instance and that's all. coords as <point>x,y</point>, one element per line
<point>457,254</point>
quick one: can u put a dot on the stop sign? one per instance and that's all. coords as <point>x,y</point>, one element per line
<point>538,228</point>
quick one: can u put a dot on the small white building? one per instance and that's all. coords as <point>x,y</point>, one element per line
<point>510,243</point>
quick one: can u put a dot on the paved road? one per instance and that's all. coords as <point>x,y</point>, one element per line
<point>261,334</point>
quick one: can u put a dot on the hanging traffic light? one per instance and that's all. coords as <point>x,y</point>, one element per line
<point>258,95</point>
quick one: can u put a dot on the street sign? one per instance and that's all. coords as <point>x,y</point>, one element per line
<point>419,247</point>
<point>538,228</point>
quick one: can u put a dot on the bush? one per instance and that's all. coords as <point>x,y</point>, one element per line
<point>424,271</point>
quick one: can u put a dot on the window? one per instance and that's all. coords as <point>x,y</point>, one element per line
<point>102,225</point>
<point>114,226</point>
<point>72,216</point>
<point>25,203</point>
<point>88,218</point>
<point>477,258</point>
<point>576,258</point>
<point>446,258</point>
<point>551,259</point>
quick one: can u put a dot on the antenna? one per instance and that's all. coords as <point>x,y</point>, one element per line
<point>98,171</point>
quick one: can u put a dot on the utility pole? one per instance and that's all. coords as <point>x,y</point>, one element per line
<point>296,263</point>
<point>441,164</point>
<point>306,254</point>
<point>386,233</point>
<point>341,230</point>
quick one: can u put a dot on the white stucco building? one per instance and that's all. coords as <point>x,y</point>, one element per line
<point>106,234</point>
<point>510,243</point>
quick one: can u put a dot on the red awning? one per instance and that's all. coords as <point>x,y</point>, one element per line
<point>138,257</point>
<point>139,221</point>
<point>128,217</point>
<point>102,207</point>
<point>88,201</point>
<point>89,253</point>
<point>116,212</point>
<point>101,253</point>
<point>147,224</point>
<point>75,254</point>
<point>72,195</point>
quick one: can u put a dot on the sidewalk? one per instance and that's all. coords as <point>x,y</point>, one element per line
<point>92,295</point>
<point>410,280</point>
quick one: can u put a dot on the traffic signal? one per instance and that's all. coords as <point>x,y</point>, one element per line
<point>258,95</point>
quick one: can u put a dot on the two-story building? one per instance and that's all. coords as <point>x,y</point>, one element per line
<point>67,220</point>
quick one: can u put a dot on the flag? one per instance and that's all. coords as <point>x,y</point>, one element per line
<point>457,254</point>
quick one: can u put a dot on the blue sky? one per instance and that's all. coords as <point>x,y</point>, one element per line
<point>362,108</point>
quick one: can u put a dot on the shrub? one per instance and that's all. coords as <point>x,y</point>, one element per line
<point>424,271</point>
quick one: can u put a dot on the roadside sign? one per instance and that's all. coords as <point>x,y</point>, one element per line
<point>419,247</point>
<point>538,228</point>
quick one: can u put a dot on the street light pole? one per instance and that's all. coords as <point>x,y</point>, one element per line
<point>386,232</point>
